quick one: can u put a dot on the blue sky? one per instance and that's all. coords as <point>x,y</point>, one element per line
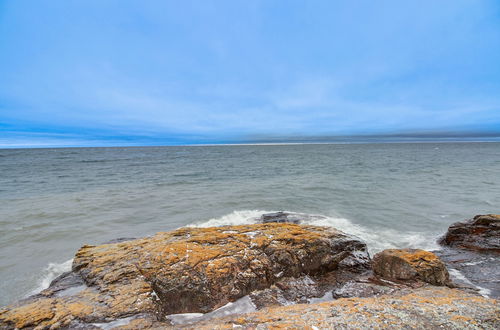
<point>119,72</point>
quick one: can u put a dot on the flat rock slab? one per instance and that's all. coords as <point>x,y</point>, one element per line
<point>425,308</point>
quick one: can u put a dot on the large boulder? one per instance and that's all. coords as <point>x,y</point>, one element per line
<point>185,271</point>
<point>410,265</point>
<point>481,233</point>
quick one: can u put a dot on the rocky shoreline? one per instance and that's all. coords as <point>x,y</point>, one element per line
<point>278,273</point>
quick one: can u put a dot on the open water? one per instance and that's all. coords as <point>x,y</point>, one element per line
<point>52,201</point>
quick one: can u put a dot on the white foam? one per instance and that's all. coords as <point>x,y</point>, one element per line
<point>251,234</point>
<point>376,239</point>
<point>184,318</point>
<point>52,271</point>
<point>115,323</point>
<point>327,297</point>
<point>240,306</point>
<point>457,275</point>
<point>473,263</point>
<point>234,218</point>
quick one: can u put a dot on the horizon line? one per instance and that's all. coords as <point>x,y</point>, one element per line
<point>425,141</point>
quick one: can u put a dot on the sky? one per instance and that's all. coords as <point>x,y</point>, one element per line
<point>120,72</point>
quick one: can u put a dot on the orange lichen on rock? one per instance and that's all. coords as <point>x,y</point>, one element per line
<point>29,315</point>
<point>429,307</point>
<point>186,270</point>
<point>134,284</point>
<point>213,266</point>
<point>416,257</point>
<point>410,264</point>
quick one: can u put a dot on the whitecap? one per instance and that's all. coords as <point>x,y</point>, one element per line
<point>114,324</point>
<point>243,217</point>
<point>52,271</point>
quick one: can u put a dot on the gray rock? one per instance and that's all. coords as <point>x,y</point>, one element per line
<point>480,271</point>
<point>279,217</point>
<point>481,233</point>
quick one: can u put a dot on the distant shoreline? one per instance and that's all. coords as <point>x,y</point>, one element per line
<point>440,141</point>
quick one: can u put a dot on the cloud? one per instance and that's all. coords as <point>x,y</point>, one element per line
<point>228,70</point>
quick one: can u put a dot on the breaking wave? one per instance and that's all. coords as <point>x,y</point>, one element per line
<point>376,239</point>
<point>52,271</point>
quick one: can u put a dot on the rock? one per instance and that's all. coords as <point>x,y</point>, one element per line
<point>477,270</point>
<point>341,284</point>
<point>65,284</point>
<point>362,290</point>
<point>410,265</point>
<point>188,270</point>
<point>119,240</point>
<point>293,291</point>
<point>424,308</point>
<point>471,251</point>
<point>279,217</point>
<point>481,233</point>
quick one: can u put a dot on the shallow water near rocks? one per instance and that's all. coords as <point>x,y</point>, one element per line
<point>240,306</point>
<point>52,201</point>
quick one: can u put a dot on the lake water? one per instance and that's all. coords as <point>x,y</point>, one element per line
<point>52,201</point>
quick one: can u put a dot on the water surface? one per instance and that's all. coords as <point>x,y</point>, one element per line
<point>52,201</point>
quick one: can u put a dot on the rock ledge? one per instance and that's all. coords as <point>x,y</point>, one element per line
<point>189,270</point>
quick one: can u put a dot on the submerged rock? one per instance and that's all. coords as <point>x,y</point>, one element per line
<point>481,233</point>
<point>189,270</point>
<point>279,217</point>
<point>410,265</point>
<point>424,308</point>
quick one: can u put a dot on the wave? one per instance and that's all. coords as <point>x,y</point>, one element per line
<point>377,239</point>
<point>459,277</point>
<point>234,218</point>
<point>52,271</point>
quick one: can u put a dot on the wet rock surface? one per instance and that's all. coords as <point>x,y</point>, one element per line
<point>186,271</point>
<point>364,288</point>
<point>424,308</point>
<point>410,265</point>
<point>470,269</point>
<point>481,233</point>
<point>66,284</point>
<point>195,277</point>
<point>279,217</point>
<point>471,251</point>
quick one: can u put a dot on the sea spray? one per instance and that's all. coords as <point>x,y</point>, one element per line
<point>52,271</point>
<point>377,240</point>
